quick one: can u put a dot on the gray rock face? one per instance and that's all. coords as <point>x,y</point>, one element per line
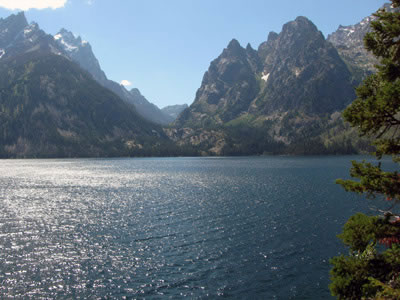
<point>227,89</point>
<point>350,44</point>
<point>303,72</point>
<point>81,52</point>
<point>17,37</point>
<point>10,27</point>
<point>349,41</point>
<point>295,70</point>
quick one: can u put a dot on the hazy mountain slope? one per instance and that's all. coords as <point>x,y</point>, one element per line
<point>174,110</point>
<point>147,109</point>
<point>81,52</point>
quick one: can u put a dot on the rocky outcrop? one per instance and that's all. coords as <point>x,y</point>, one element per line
<point>349,41</point>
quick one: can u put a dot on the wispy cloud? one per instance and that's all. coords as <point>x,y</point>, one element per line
<point>29,4</point>
<point>89,2</point>
<point>125,83</point>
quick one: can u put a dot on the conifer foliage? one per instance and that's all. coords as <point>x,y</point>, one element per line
<point>372,268</point>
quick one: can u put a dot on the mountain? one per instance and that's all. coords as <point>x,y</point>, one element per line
<point>270,99</point>
<point>148,109</point>
<point>81,52</point>
<point>349,41</point>
<point>51,107</point>
<point>228,87</point>
<point>284,97</point>
<point>17,37</point>
<point>174,110</point>
<point>305,72</point>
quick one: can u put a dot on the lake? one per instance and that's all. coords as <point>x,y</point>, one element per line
<point>157,228</point>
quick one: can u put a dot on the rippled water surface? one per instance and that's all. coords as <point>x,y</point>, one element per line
<point>253,228</point>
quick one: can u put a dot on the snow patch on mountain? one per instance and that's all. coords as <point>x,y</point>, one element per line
<point>265,76</point>
<point>70,41</point>
<point>68,47</point>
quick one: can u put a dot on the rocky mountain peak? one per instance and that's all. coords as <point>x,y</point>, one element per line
<point>81,52</point>
<point>69,41</point>
<point>301,29</point>
<point>17,37</point>
<point>299,43</point>
<point>352,36</point>
<point>299,24</point>
<point>67,34</point>
<point>234,44</point>
<point>17,21</point>
<point>234,48</point>
<point>227,88</point>
<point>249,47</point>
<point>272,36</point>
<point>10,27</point>
<point>349,40</point>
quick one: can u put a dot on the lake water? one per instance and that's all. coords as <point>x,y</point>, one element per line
<point>243,228</point>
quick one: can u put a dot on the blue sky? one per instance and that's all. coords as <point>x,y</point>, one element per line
<point>163,47</point>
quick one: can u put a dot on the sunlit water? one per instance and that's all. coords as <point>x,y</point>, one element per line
<point>246,228</point>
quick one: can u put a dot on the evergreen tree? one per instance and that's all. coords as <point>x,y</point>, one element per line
<point>372,268</point>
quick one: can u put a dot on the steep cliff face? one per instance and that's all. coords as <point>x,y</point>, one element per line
<point>10,28</point>
<point>81,52</point>
<point>302,72</point>
<point>227,89</point>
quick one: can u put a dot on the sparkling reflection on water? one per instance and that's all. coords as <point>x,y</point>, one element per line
<point>157,228</point>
